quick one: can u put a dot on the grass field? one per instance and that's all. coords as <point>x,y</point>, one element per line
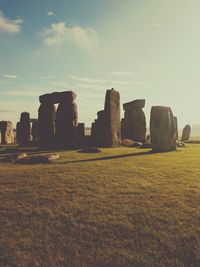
<point>122,207</point>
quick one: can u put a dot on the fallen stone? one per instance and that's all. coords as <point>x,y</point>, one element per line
<point>180,144</point>
<point>130,143</point>
<point>147,144</point>
<point>38,159</point>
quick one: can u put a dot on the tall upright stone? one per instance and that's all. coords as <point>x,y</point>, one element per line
<point>176,125</point>
<point>81,130</point>
<point>186,133</point>
<point>122,128</point>
<point>23,129</point>
<point>67,121</point>
<point>46,124</point>
<point>106,131</point>
<point>162,129</point>
<point>7,133</point>
<point>112,116</point>
<point>98,129</point>
<point>135,121</point>
<point>35,130</point>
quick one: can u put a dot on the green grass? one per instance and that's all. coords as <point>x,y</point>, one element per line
<point>130,208</point>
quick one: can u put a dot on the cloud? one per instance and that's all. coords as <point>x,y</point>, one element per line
<point>121,73</point>
<point>59,33</point>
<point>156,25</point>
<point>10,76</point>
<point>10,26</point>
<point>21,93</point>
<point>87,79</point>
<point>45,77</point>
<point>6,111</point>
<point>50,13</point>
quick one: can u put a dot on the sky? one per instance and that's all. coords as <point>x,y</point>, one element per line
<point>143,48</point>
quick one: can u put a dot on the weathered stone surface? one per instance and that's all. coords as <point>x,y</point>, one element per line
<point>35,130</point>
<point>162,129</point>
<point>122,129</point>
<point>58,97</point>
<point>106,131</point>
<point>176,125</point>
<point>138,103</point>
<point>66,124</point>
<point>7,133</point>
<point>98,129</point>
<point>134,123</point>
<point>58,127</point>
<point>46,124</point>
<point>24,129</point>
<point>186,133</point>
<point>81,129</point>
<point>112,119</point>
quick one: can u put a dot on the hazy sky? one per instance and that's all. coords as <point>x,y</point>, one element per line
<point>143,48</point>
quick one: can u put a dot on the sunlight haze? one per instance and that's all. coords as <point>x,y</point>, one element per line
<point>144,49</point>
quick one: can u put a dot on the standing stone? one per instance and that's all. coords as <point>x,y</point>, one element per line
<point>98,129</point>
<point>35,130</point>
<point>122,129</point>
<point>186,133</point>
<point>23,129</point>
<point>81,130</point>
<point>112,117</point>
<point>162,129</point>
<point>7,133</point>
<point>135,121</point>
<point>176,125</point>
<point>67,121</point>
<point>58,128</point>
<point>46,124</point>
<point>106,131</point>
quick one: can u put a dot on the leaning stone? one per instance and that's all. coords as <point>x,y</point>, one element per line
<point>162,129</point>
<point>186,133</point>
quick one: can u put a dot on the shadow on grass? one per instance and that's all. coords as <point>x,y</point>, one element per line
<point>110,157</point>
